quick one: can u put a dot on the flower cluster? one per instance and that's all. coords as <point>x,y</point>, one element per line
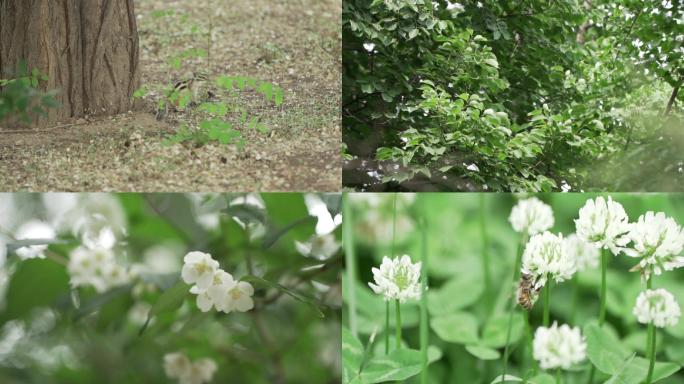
<point>178,366</point>
<point>586,256</point>
<point>546,256</point>
<point>96,267</point>
<point>397,279</point>
<point>604,224</point>
<point>531,216</point>
<point>657,306</point>
<point>657,240</point>
<point>558,347</point>
<point>214,287</point>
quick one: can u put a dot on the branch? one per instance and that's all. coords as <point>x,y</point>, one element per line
<point>673,97</point>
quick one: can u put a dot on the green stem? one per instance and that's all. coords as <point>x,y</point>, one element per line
<point>350,260</point>
<point>398,325</point>
<point>516,276</point>
<point>602,308</point>
<point>485,253</point>
<point>575,297</point>
<point>528,336</point>
<point>604,268</point>
<point>651,352</point>
<point>547,302</point>
<point>558,376</point>
<point>387,327</point>
<point>424,325</point>
<point>649,285</point>
<point>394,223</point>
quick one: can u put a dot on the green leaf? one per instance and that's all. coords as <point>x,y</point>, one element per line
<point>456,328</point>
<point>506,379</point>
<point>170,300</point>
<point>604,349</point>
<point>398,365</point>
<point>295,295</point>
<point>352,355</point>
<point>455,294</point>
<point>35,283</point>
<point>274,234</point>
<point>543,378</point>
<point>98,301</point>
<point>482,352</point>
<point>496,328</point>
<point>492,62</point>
<point>635,369</point>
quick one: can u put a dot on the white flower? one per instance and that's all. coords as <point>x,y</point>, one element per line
<point>531,216</point>
<point>320,247</point>
<point>558,347</point>
<point>199,269</point>
<point>455,7</point>
<point>96,268</point>
<point>178,366</point>
<point>201,371</point>
<point>206,299</point>
<point>225,294</point>
<point>603,224</point>
<point>586,256</point>
<point>546,256</point>
<point>657,240</point>
<point>34,230</point>
<point>657,306</point>
<point>233,297</point>
<point>397,278</point>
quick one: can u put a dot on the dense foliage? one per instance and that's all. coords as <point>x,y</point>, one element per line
<point>127,316</point>
<point>515,95</point>
<point>467,248</point>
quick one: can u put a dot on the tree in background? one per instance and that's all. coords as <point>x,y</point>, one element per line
<point>87,50</point>
<point>509,95</point>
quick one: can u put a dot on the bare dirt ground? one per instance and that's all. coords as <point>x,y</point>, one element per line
<point>295,44</point>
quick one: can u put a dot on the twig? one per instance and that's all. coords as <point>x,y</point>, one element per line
<point>673,97</point>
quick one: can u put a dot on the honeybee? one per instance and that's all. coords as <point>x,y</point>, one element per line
<point>527,293</point>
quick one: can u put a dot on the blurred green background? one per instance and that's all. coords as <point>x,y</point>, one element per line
<point>463,230</point>
<point>51,333</point>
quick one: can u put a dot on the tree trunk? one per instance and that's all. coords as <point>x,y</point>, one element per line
<point>87,48</point>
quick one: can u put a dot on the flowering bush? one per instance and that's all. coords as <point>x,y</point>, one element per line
<point>164,288</point>
<point>557,288</point>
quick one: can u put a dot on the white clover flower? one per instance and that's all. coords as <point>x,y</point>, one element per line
<point>320,247</point>
<point>531,216</point>
<point>558,347</point>
<point>546,256</point>
<point>397,278</point>
<point>199,269</point>
<point>34,230</point>
<point>586,255</point>
<point>657,306</point>
<point>657,240</point>
<point>604,224</point>
<point>178,366</point>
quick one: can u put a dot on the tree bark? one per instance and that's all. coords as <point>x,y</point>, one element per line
<point>87,48</point>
